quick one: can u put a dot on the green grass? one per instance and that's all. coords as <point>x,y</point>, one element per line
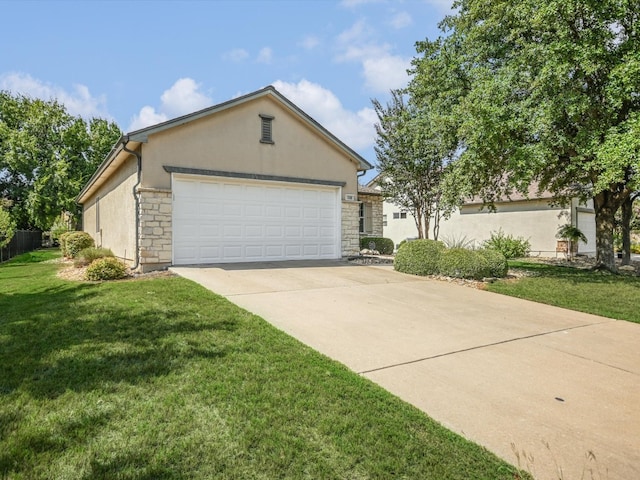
<point>159,378</point>
<point>600,293</point>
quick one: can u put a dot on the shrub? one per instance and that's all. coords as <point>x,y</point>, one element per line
<point>419,257</point>
<point>382,245</point>
<point>76,241</point>
<point>463,263</point>
<point>107,268</point>
<point>635,248</point>
<point>507,245</point>
<point>62,239</point>
<point>88,255</point>
<point>453,241</point>
<point>498,265</point>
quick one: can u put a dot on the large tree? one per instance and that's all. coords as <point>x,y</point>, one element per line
<point>412,159</point>
<point>552,86</point>
<point>46,156</point>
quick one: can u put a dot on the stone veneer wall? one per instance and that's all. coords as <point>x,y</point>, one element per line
<point>154,245</point>
<point>376,213</point>
<point>350,228</point>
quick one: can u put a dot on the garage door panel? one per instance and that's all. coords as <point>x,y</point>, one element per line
<point>227,220</point>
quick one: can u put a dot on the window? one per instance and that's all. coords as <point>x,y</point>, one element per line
<point>398,215</point>
<point>266,131</point>
<point>384,220</point>
<point>366,220</point>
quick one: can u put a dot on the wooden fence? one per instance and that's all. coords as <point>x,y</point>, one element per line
<point>23,241</point>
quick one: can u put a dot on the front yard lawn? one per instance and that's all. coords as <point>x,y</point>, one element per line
<point>159,378</point>
<point>600,293</point>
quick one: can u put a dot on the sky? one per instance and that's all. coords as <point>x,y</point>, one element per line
<point>142,62</point>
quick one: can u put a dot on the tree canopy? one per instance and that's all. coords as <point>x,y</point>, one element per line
<point>542,91</point>
<point>46,156</point>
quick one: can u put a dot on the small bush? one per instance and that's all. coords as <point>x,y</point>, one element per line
<point>76,241</point>
<point>463,263</point>
<point>62,239</point>
<point>507,245</point>
<point>419,257</point>
<point>498,265</point>
<point>453,241</point>
<point>382,245</point>
<point>107,268</point>
<point>88,255</point>
<point>635,248</point>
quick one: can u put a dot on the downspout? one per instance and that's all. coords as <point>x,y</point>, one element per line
<point>125,140</point>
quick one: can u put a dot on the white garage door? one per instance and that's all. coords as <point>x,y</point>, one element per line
<point>586,222</point>
<point>220,220</point>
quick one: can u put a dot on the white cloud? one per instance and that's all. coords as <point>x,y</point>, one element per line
<point>147,116</point>
<point>236,55</point>
<point>265,55</point>
<point>356,129</point>
<point>183,97</point>
<point>381,70</point>
<point>310,42</point>
<point>77,102</point>
<point>401,20</point>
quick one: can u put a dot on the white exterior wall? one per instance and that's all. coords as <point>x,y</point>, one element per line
<point>534,220</point>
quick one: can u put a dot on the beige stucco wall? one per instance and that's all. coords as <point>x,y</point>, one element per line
<point>535,220</point>
<point>116,209</point>
<point>230,141</point>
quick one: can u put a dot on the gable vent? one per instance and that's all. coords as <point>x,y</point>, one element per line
<point>266,128</point>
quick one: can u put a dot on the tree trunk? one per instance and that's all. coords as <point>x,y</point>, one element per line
<point>627,213</point>
<point>606,204</point>
<point>436,224</point>
<point>427,218</point>
<point>417,216</point>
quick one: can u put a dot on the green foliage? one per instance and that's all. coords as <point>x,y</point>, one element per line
<point>412,157</point>
<point>419,257</point>
<point>62,239</point>
<point>635,248</point>
<point>74,242</point>
<point>463,263</point>
<point>46,157</point>
<point>571,233</point>
<point>508,245</point>
<point>498,266</point>
<point>539,92</point>
<point>7,228</point>
<point>60,226</point>
<point>88,255</point>
<point>383,245</point>
<point>106,268</point>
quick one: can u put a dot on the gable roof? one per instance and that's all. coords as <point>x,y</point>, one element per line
<point>136,137</point>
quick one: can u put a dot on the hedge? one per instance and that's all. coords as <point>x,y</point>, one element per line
<point>88,255</point>
<point>419,257</point>
<point>463,263</point>
<point>383,245</point>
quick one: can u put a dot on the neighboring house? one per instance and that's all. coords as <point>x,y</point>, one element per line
<point>535,218</point>
<point>251,179</point>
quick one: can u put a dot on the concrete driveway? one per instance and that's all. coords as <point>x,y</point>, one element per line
<point>554,391</point>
